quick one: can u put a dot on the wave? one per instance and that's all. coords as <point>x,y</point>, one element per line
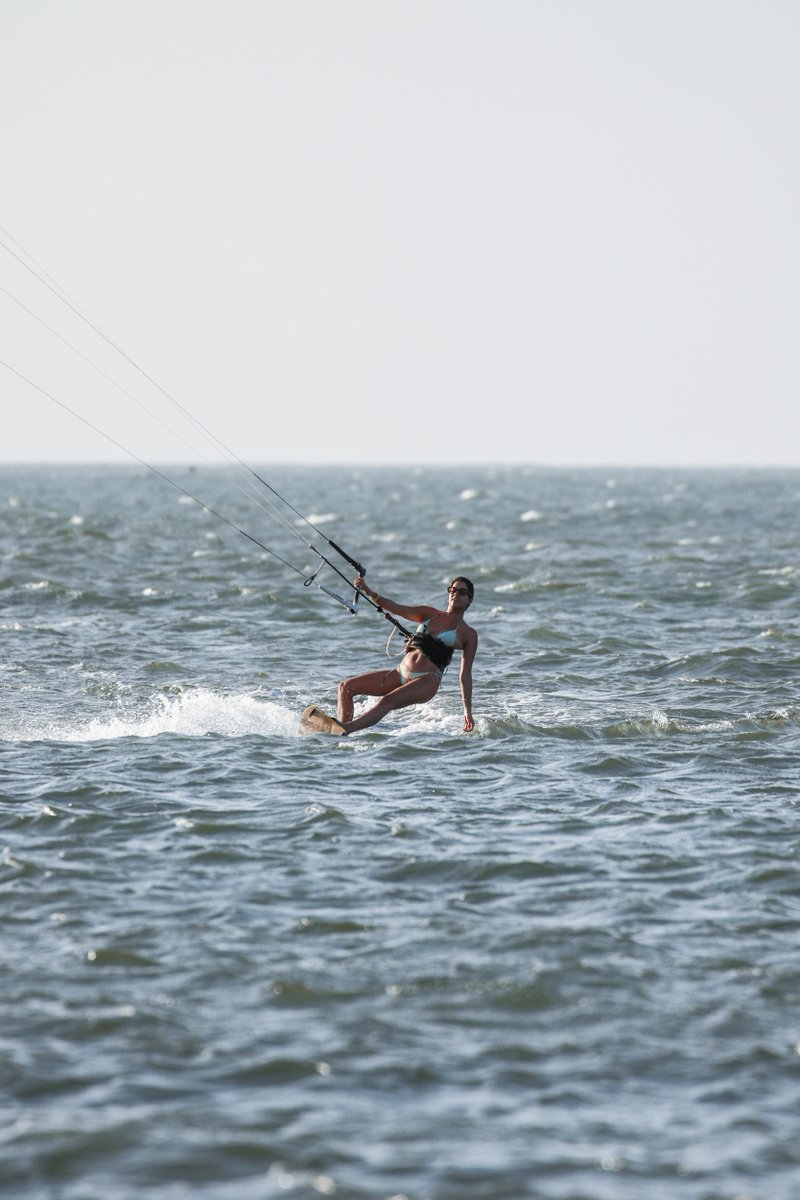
<point>654,723</point>
<point>203,712</point>
<point>195,713</point>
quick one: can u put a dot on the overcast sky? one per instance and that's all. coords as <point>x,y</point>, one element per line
<point>540,231</point>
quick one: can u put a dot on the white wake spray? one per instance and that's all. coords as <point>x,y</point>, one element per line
<point>195,713</point>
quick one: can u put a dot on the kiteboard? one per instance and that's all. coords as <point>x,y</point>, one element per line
<point>314,720</point>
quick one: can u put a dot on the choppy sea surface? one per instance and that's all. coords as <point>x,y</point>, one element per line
<point>557,958</point>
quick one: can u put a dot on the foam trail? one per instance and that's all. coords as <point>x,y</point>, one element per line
<point>189,714</point>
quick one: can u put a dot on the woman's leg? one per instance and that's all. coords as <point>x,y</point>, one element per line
<point>374,683</point>
<point>416,691</point>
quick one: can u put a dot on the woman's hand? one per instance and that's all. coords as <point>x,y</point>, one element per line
<point>469,724</point>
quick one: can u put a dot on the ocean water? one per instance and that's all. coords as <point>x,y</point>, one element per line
<point>556,958</point>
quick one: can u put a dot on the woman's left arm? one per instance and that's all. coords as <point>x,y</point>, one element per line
<point>468,652</point>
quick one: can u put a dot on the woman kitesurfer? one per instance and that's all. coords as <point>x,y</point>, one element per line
<point>428,652</point>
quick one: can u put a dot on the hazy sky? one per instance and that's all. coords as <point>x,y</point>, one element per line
<point>543,231</point>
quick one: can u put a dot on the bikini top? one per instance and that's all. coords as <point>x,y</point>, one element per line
<point>447,636</point>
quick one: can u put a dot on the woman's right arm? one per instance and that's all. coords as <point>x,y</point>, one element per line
<point>411,612</point>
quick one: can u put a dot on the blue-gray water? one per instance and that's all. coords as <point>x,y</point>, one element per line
<point>556,958</point>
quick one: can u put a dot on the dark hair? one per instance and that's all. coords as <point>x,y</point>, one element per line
<point>470,586</point>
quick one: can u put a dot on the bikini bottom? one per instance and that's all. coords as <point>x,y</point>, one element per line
<point>407,675</point>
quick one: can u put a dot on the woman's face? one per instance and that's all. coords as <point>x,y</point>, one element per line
<point>458,594</point>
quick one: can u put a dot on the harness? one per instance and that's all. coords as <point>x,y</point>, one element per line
<point>432,647</point>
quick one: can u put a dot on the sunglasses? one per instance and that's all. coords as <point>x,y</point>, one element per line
<point>454,591</point>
